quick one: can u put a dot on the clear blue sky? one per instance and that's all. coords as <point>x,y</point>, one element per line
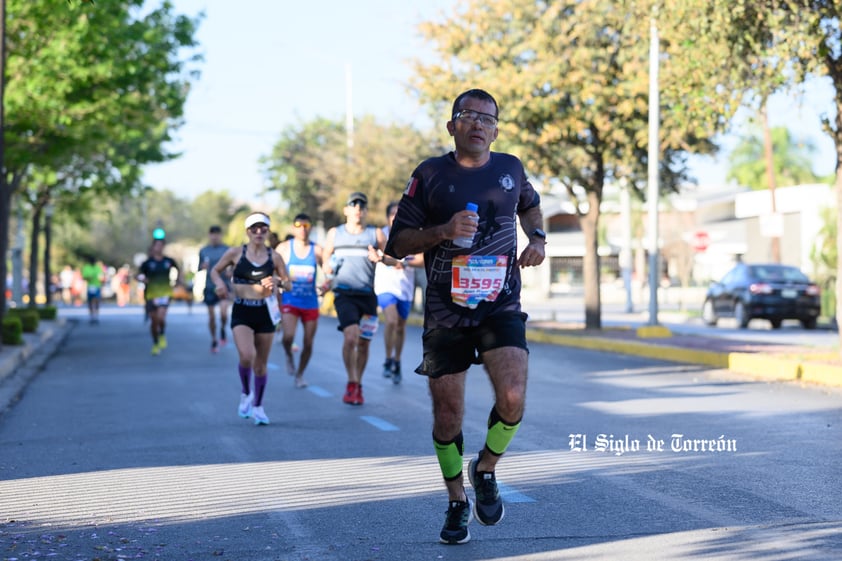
<point>270,64</point>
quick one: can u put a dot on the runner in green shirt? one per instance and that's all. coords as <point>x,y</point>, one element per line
<point>93,274</point>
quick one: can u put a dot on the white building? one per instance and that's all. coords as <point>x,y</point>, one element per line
<point>734,222</point>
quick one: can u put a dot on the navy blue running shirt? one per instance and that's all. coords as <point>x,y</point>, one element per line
<point>439,188</point>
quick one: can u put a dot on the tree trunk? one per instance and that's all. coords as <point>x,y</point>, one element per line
<point>48,272</point>
<point>590,265</point>
<point>837,138</point>
<point>34,251</point>
<point>5,189</point>
<point>5,206</point>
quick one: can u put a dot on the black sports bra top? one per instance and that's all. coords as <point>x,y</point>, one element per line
<point>246,272</point>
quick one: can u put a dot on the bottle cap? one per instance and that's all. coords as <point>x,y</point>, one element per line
<point>472,207</point>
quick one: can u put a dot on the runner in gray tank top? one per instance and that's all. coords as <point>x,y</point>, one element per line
<point>209,256</point>
<point>350,254</point>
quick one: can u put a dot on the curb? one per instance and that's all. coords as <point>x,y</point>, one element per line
<point>758,365</point>
<point>672,354</point>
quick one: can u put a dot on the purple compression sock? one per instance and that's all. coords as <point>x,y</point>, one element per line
<point>245,377</point>
<point>259,387</point>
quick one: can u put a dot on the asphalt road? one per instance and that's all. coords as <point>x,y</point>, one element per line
<point>115,454</point>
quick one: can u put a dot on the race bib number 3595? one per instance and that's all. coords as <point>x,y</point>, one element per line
<point>477,278</point>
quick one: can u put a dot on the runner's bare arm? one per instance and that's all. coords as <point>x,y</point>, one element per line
<point>281,272</point>
<point>224,262</point>
<point>327,251</point>
<point>533,254</point>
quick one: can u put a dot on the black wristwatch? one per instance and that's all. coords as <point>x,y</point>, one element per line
<point>538,233</point>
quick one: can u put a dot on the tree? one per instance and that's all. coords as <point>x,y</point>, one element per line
<point>792,162</point>
<point>311,168</point>
<point>93,93</point>
<point>572,80</point>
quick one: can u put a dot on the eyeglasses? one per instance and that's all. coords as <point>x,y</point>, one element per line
<point>485,119</point>
<point>299,224</point>
<point>259,229</point>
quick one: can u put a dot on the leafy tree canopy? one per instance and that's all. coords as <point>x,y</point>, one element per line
<point>314,168</point>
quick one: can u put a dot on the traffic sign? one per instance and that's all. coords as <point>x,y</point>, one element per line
<point>700,241</point>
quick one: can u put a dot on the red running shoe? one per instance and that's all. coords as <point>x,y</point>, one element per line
<point>358,395</point>
<point>350,393</point>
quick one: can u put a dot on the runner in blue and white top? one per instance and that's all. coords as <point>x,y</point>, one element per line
<point>303,258</point>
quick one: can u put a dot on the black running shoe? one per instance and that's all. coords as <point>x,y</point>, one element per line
<point>396,372</point>
<point>455,529</point>
<point>387,368</point>
<point>488,506</point>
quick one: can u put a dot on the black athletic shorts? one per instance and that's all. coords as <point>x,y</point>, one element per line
<point>452,350</point>
<point>351,307</point>
<point>252,314</point>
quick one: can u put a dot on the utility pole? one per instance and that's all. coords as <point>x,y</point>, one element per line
<point>776,222</point>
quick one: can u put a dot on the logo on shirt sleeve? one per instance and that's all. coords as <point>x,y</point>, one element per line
<point>410,187</point>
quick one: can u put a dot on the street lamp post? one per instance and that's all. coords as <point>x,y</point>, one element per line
<point>626,262</point>
<point>653,188</point>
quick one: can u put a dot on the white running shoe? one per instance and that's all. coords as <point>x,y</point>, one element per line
<point>244,410</point>
<point>259,415</point>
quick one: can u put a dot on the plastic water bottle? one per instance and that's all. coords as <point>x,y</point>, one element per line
<point>468,241</point>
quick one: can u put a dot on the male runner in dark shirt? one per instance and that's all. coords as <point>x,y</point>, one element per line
<point>473,313</point>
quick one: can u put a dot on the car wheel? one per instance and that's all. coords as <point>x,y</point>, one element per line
<point>808,323</point>
<point>741,315</point>
<point>776,323</point>
<point>708,314</point>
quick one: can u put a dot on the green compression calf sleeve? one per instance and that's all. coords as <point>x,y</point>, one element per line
<point>500,433</point>
<point>450,457</point>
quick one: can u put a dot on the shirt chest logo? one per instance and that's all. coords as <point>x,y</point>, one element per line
<point>507,182</point>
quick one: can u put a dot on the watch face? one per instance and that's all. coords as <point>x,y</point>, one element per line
<point>540,233</point>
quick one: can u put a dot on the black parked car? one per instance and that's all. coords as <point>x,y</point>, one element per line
<point>774,292</point>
